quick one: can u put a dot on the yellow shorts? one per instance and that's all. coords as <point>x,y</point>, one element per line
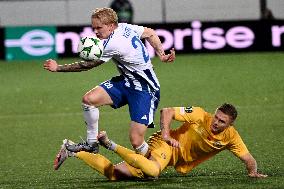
<point>135,172</point>
<point>160,150</point>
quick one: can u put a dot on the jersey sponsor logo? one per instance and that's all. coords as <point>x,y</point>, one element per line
<point>188,109</point>
<point>144,117</point>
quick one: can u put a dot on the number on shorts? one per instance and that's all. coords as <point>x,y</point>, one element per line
<point>108,84</point>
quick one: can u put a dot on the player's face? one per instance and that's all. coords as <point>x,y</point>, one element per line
<point>220,122</point>
<point>101,30</point>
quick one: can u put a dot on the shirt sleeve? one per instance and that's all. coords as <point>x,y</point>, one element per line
<point>189,114</point>
<point>109,50</point>
<point>108,54</point>
<point>136,28</point>
<point>237,146</point>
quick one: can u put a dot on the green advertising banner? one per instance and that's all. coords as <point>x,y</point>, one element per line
<point>25,43</point>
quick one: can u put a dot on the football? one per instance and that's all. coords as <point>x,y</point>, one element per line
<point>90,48</point>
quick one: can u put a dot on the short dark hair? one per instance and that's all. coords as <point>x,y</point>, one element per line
<point>229,110</point>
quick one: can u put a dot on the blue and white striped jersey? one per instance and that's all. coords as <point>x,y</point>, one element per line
<point>131,57</point>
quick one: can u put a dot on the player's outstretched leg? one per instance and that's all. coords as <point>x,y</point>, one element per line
<point>138,161</point>
<point>63,154</point>
<point>84,146</point>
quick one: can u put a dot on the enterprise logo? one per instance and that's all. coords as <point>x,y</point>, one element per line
<point>40,42</point>
<point>36,42</point>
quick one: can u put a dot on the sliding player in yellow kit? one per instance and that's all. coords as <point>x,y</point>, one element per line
<point>201,136</point>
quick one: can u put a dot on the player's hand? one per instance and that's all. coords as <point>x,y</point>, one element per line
<point>50,65</point>
<point>171,141</point>
<point>169,57</point>
<point>257,175</point>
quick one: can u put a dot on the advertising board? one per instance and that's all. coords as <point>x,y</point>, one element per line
<point>191,37</point>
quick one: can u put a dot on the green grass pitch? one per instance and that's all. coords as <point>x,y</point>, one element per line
<point>38,109</point>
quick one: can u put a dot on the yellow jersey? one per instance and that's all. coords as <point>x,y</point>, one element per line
<point>197,142</point>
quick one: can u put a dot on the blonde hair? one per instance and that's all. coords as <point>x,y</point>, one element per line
<point>105,15</point>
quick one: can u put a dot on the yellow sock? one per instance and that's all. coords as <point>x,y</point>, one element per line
<point>99,163</point>
<point>138,161</point>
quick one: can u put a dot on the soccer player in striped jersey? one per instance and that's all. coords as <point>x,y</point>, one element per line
<point>200,137</point>
<point>137,85</point>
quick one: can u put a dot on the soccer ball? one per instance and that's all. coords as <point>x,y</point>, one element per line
<point>90,48</point>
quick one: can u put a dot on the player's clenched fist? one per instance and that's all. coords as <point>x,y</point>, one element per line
<point>50,65</point>
<point>168,57</point>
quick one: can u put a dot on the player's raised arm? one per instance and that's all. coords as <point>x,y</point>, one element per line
<point>150,35</point>
<point>53,66</point>
<point>251,166</point>
<point>167,115</point>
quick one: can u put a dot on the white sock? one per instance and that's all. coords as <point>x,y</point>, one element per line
<point>112,146</point>
<point>142,149</point>
<point>91,115</point>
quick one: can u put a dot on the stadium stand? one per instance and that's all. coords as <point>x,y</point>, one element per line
<point>69,12</point>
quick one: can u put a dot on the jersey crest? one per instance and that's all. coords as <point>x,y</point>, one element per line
<point>217,144</point>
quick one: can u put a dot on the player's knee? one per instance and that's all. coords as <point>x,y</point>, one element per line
<point>86,99</point>
<point>136,134</point>
<point>136,142</point>
<point>120,172</point>
<point>89,99</point>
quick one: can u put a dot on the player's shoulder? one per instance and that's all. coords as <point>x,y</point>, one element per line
<point>232,132</point>
<point>190,109</point>
<point>120,32</point>
<point>127,28</point>
<point>123,26</point>
<point>191,113</point>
